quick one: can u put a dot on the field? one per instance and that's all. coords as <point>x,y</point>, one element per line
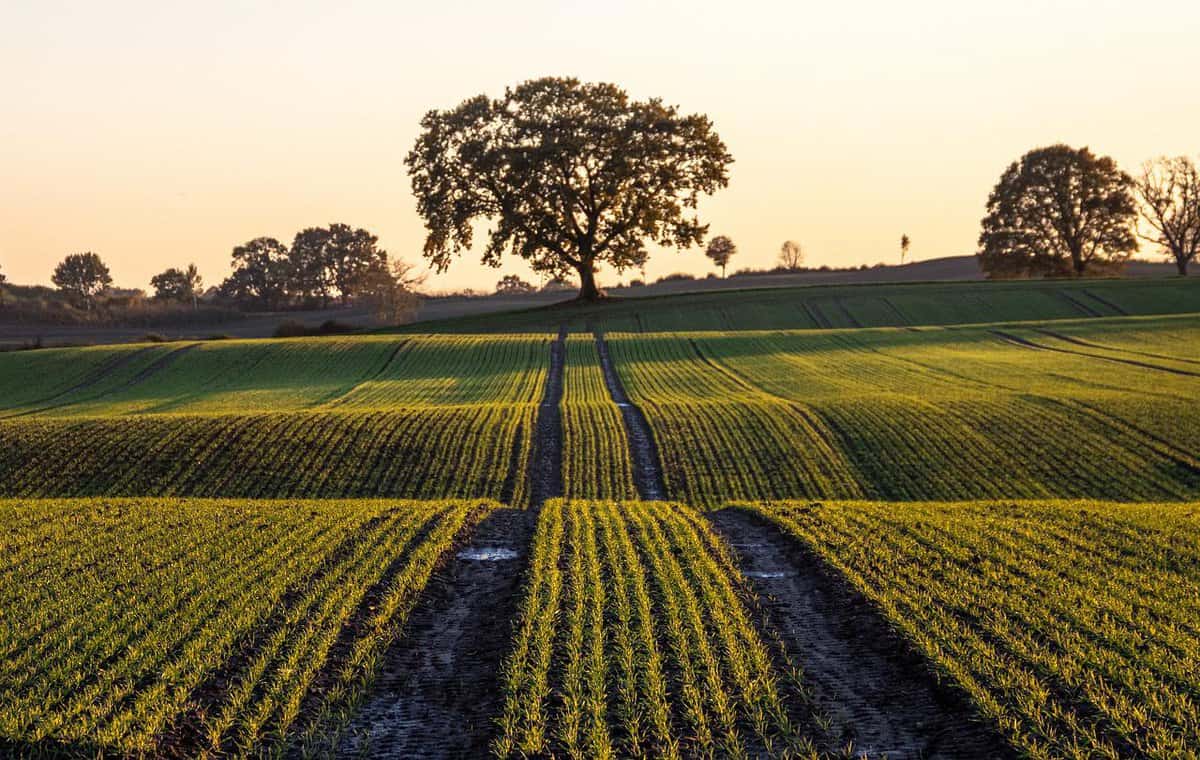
<point>1072,625</point>
<point>963,524</point>
<point>154,626</point>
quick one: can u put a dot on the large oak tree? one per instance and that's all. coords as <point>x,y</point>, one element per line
<point>569,174</point>
<point>1058,211</point>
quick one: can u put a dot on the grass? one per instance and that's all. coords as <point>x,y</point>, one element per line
<point>633,641</point>
<point>202,628</point>
<point>1070,625</point>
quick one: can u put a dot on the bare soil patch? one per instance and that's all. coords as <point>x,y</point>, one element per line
<point>545,469</point>
<point>647,469</point>
<point>880,697</point>
<point>439,688</point>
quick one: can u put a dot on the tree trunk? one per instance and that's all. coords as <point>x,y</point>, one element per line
<point>1181,263</point>
<point>587,284</point>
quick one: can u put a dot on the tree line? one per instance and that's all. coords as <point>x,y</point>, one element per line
<point>1061,211</point>
<point>323,265</point>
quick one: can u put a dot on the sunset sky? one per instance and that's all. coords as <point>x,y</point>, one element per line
<point>162,133</point>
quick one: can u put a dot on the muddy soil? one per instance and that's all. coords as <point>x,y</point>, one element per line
<point>545,467</point>
<point>879,696</point>
<point>438,691</point>
<point>647,470</point>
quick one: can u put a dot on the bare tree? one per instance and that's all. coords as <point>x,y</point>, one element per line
<point>720,249</point>
<point>791,256</point>
<point>904,244</point>
<point>1170,193</point>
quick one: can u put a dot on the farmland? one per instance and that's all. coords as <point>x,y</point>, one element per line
<point>969,532</point>
<point>165,626</point>
<point>1071,625</point>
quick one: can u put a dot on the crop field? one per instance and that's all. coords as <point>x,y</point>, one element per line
<point>1071,625</point>
<point>362,416</point>
<point>963,413</point>
<point>154,626</point>
<point>850,306</point>
<point>633,641</point>
<point>963,524</point>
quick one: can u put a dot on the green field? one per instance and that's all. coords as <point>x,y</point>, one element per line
<point>1072,625</point>
<point>215,548</point>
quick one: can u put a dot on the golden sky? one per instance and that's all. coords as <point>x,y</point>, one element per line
<point>161,133</point>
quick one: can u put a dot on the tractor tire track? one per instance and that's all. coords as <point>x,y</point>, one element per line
<point>154,367</point>
<point>1080,306</point>
<point>877,693</point>
<point>647,467</point>
<point>1106,302</point>
<point>94,377</point>
<point>439,688</point>
<point>545,466</point>
<point>1023,342</point>
<point>1101,347</point>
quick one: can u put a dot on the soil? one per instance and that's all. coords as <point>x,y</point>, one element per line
<point>545,467</point>
<point>647,470</point>
<point>438,691</point>
<point>878,694</point>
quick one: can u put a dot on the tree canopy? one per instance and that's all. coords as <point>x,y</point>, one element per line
<point>570,174</point>
<point>1058,211</point>
<point>82,275</point>
<point>720,250</point>
<point>1170,192</point>
<point>177,284</point>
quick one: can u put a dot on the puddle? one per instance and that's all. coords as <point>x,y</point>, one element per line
<point>768,574</point>
<point>488,553</point>
<point>623,405</point>
<point>748,546</point>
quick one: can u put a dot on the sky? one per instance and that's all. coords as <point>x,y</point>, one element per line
<point>162,133</point>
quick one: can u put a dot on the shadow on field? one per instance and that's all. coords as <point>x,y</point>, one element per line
<point>879,695</point>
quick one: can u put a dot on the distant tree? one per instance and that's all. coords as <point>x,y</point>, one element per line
<point>1170,193</point>
<point>572,174</point>
<point>791,256</point>
<point>261,274</point>
<point>904,244</point>
<point>720,249</point>
<point>3,280</point>
<point>390,290</point>
<point>178,284</point>
<point>82,276</point>
<point>311,275</point>
<point>511,284</point>
<point>349,254</point>
<point>1058,211</point>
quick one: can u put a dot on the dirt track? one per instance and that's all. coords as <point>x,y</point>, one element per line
<point>878,696</point>
<point>545,467</point>
<point>438,690</point>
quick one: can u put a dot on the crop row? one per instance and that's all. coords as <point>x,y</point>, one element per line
<point>596,463</point>
<point>238,377</point>
<point>633,641</point>
<point>193,628</point>
<point>936,414</point>
<point>421,453</point>
<point>1070,625</point>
